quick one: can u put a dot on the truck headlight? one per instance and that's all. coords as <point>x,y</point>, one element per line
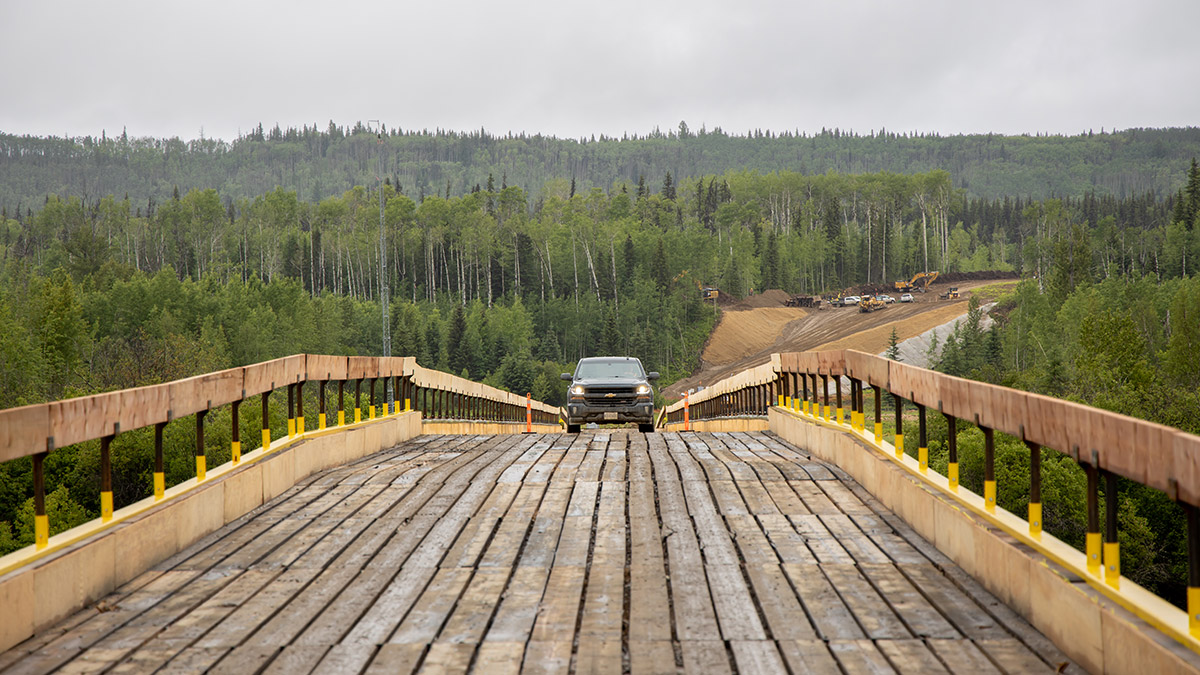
<point>643,390</point>
<point>577,390</point>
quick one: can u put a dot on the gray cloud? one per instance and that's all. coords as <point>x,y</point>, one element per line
<point>571,69</point>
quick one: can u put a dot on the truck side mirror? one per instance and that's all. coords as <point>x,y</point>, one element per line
<point>652,375</point>
<point>566,376</point>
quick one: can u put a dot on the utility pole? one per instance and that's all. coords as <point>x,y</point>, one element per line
<point>383,276</point>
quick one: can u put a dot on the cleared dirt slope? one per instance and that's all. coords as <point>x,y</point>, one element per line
<point>748,332</point>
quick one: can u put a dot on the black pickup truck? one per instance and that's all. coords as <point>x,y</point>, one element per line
<point>611,389</point>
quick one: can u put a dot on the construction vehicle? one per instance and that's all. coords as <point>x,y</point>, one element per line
<point>951,294</point>
<point>870,303</point>
<point>802,301</point>
<point>706,292</point>
<point>919,282</point>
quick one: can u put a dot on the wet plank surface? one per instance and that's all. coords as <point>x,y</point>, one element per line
<point>606,551</point>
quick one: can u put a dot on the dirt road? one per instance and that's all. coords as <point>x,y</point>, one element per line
<point>748,332</point>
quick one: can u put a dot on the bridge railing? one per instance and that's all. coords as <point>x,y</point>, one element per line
<point>1106,445</point>
<point>37,430</point>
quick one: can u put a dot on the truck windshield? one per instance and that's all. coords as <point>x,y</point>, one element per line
<point>600,369</point>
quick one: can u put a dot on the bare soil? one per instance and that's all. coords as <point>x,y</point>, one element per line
<point>747,334</point>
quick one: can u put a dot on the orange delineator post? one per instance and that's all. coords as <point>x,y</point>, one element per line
<point>687,419</point>
<point>528,413</point>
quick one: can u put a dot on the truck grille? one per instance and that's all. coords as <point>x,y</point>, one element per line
<point>620,396</point>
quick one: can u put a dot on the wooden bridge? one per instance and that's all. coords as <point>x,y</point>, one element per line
<point>440,540</point>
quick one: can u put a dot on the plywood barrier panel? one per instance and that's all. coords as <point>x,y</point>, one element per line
<point>144,406</point>
<point>915,384</point>
<point>205,391</point>
<point>363,367</point>
<point>273,374</point>
<point>75,420</point>
<point>867,367</point>
<point>23,431</point>
<point>831,362</point>
<point>325,368</point>
<point>1186,466</point>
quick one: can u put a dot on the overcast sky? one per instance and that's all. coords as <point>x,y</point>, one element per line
<point>575,69</point>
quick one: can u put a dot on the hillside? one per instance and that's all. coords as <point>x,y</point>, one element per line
<point>318,163</point>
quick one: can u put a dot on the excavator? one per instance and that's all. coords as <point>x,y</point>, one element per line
<point>919,282</point>
<point>706,292</point>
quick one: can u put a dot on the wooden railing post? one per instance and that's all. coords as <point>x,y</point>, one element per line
<point>1035,489</point>
<point>201,460</point>
<point>41,522</point>
<point>952,451</point>
<point>106,495</point>
<point>266,421</point>
<point>899,444</point>
<point>1112,544</point>
<point>235,432</point>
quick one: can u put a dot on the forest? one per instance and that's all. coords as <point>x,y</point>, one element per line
<point>104,293</point>
<point>317,162</point>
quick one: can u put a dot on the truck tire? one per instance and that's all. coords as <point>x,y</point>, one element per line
<point>646,428</point>
<point>572,428</point>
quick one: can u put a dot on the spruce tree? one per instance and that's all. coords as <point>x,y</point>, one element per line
<point>893,350</point>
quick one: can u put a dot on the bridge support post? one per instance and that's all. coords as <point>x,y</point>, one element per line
<point>1112,545</point>
<point>371,400</point>
<point>358,400</point>
<point>1093,512</point>
<point>989,469</point>
<point>159,475</point>
<point>266,422</point>
<point>1035,489</point>
<point>922,441</point>
<point>899,444</point>
<point>41,522</point>
<point>837,383</point>
<point>687,420</point>
<point>878,414</point>
<point>235,433</point>
<point>300,408</point>
<point>291,427</point>
<point>952,447</point>
<point>321,404</point>
<point>106,496</point>
<point>201,460</point>
<point>1192,514</point>
<point>804,380</point>
<point>825,390</point>
<point>341,406</point>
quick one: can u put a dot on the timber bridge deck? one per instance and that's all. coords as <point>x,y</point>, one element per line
<point>435,524</point>
<point>600,552</point>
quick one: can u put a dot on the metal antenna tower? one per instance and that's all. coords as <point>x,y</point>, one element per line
<point>383,276</point>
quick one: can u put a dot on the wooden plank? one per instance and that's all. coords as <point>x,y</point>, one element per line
<point>779,604</point>
<point>736,610</point>
<point>425,619</point>
<point>785,498</point>
<point>396,659</point>
<point>831,617</point>
<point>500,658</point>
<point>649,603</point>
<point>852,539</point>
<point>911,656</point>
<point>877,619</point>
<point>547,657</point>
<point>758,656</point>
<point>560,604</point>
<point>705,656</point>
<point>475,608</point>
<point>519,605</point>
<point>23,431</point>
<point>963,612</point>
<point>789,544</point>
<point>652,658</point>
<point>859,656</point>
<point>448,657</point>
<point>814,498</point>
<point>752,544</point>
<point>296,659</point>
<point>963,656</point>
<point>825,548</point>
<point>598,656</point>
<point>345,658</point>
<point>758,500</point>
<point>808,656</point>
<point>542,542</point>
<point>907,601</point>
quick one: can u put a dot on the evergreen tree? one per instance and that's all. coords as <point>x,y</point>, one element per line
<point>458,356</point>
<point>668,188</point>
<point>893,350</point>
<point>658,268</point>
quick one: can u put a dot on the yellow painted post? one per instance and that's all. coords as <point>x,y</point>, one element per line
<point>159,476</point>
<point>1192,515</point>
<point>899,444</point>
<point>266,422</point>
<point>1093,513</point>
<point>989,469</point>
<point>235,442</point>
<point>1112,546</point>
<point>321,422</point>
<point>291,424</point>
<point>952,475</point>
<point>300,428</point>
<point>1035,489</point>
<point>922,441</point>
<point>41,523</point>
<point>201,466</point>
<point>407,405</point>
<point>1112,563</point>
<point>106,496</point>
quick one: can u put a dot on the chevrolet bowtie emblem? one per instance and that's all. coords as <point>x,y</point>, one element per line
<point>609,395</point>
